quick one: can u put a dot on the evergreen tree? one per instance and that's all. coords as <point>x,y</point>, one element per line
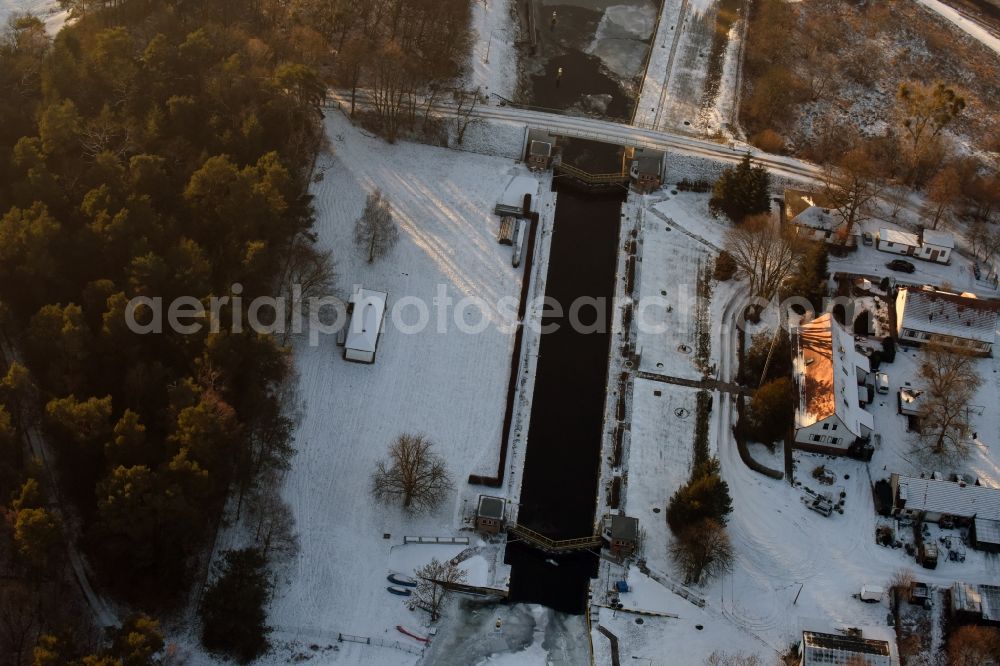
<point>232,609</point>
<point>742,191</point>
<point>706,495</point>
<point>771,410</point>
<point>137,642</point>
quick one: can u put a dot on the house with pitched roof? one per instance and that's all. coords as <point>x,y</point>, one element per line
<point>814,217</point>
<point>831,378</point>
<point>960,321</point>
<point>958,502</point>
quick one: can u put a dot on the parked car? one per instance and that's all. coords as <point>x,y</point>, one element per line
<point>867,238</point>
<point>901,265</point>
<point>881,382</point>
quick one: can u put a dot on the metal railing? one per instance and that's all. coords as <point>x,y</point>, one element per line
<point>591,178</point>
<point>543,542</point>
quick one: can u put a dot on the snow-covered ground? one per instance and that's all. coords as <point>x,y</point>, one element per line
<point>47,10</point>
<point>965,24</point>
<point>677,91</point>
<point>867,260</point>
<point>667,283</point>
<point>450,386</point>
<point>794,569</point>
<point>493,65</point>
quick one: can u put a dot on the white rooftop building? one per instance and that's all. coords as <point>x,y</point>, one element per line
<point>933,499</point>
<point>367,317</point>
<point>830,375</point>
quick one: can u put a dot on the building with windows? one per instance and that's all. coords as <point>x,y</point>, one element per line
<point>831,377</point>
<point>812,216</point>
<point>820,649</point>
<point>895,241</point>
<point>960,321</point>
<point>490,514</point>
<point>954,502</point>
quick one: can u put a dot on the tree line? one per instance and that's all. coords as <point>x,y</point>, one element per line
<point>150,149</point>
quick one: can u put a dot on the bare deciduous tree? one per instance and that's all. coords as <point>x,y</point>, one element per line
<point>432,586</point>
<point>974,646</point>
<point>852,185</point>
<point>981,238</point>
<point>763,252</point>
<point>375,231</point>
<point>308,273</point>
<point>413,475</point>
<point>702,551</point>
<point>950,381</point>
<point>466,105</point>
<point>943,193</point>
<point>925,110</point>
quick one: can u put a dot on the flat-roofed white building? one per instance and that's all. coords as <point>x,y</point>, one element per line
<point>960,321</point>
<point>830,375</point>
<point>367,317</point>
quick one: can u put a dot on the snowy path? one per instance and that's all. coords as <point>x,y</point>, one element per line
<point>965,23</point>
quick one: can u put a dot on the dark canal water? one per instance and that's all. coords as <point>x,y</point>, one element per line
<point>558,492</point>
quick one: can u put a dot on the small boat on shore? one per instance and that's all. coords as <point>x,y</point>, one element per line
<point>400,591</point>
<point>400,579</point>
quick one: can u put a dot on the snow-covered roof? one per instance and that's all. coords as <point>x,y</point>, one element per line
<point>954,498</point>
<point>366,319</point>
<point>898,237</point>
<point>982,600</point>
<point>816,217</point>
<point>938,238</point>
<point>944,313</point>
<point>840,650</point>
<point>797,201</point>
<point>988,531</point>
<point>826,367</point>
<point>910,400</point>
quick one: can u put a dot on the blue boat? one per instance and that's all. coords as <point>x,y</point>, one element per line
<point>400,579</point>
<point>401,591</point>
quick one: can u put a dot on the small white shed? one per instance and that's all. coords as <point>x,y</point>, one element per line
<point>897,242</point>
<point>367,317</point>
<point>936,246</point>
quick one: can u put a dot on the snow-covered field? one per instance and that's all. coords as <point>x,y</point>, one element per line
<point>449,386</point>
